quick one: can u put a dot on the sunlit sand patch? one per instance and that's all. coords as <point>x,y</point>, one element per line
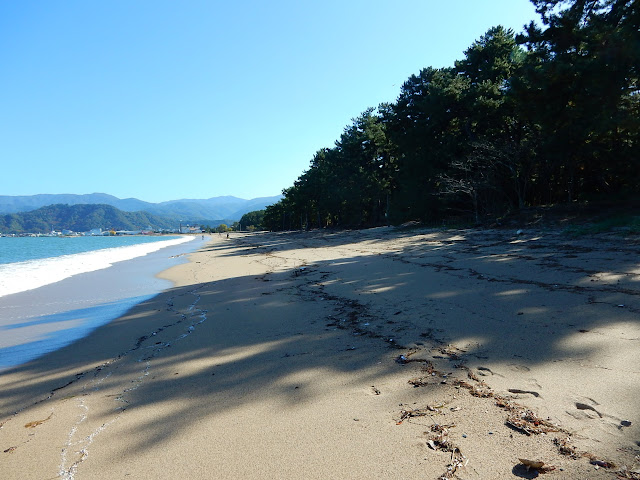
<point>609,276</point>
<point>382,289</point>
<point>242,300</point>
<point>469,345</point>
<point>337,264</point>
<point>306,381</point>
<point>430,235</point>
<point>237,354</point>
<point>518,291</point>
<point>447,294</point>
<point>336,281</point>
<point>592,340</point>
<point>503,258</point>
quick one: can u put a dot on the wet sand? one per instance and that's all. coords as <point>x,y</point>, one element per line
<point>381,353</point>
<point>43,319</point>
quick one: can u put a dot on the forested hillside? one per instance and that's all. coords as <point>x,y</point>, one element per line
<point>80,218</point>
<point>547,116</point>
<point>194,210</point>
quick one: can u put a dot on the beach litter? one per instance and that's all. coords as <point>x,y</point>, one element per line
<point>401,359</point>
<point>537,465</point>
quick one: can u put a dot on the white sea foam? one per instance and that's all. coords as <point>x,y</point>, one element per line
<point>23,276</point>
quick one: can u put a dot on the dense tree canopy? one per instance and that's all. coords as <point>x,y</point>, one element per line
<point>550,115</point>
<point>252,220</point>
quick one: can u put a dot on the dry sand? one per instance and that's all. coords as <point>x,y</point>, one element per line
<point>381,354</point>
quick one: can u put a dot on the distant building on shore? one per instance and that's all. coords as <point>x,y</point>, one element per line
<point>190,229</point>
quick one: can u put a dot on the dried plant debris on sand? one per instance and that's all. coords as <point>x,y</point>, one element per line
<point>419,412</point>
<point>523,419</point>
<point>35,423</point>
<point>438,440</point>
<point>481,390</point>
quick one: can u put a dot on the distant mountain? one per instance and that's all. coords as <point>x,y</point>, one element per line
<point>14,204</point>
<point>255,204</point>
<point>80,218</point>
<point>225,207</point>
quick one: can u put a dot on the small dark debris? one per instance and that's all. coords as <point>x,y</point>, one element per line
<point>603,464</point>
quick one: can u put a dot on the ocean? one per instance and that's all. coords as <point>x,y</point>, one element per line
<point>56,290</point>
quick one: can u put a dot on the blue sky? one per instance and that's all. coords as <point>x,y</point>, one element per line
<point>164,99</point>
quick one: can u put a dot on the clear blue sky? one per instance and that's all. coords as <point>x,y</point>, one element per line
<point>165,99</point>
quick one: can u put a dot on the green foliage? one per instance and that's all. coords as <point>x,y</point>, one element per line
<point>222,228</point>
<point>80,218</point>
<point>252,220</point>
<point>548,116</point>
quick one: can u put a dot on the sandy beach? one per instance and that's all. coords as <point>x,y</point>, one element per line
<point>384,353</point>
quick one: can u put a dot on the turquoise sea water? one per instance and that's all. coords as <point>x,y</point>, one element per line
<point>54,291</point>
<point>32,262</point>
<point>20,249</point>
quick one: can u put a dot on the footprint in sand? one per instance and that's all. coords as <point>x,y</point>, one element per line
<point>531,392</point>
<point>584,406</point>
<point>485,371</point>
<point>519,368</point>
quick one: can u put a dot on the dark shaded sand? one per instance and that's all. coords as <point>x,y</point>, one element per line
<point>371,354</point>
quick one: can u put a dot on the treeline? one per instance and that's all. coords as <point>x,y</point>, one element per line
<point>80,218</point>
<point>550,115</point>
<point>252,220</point>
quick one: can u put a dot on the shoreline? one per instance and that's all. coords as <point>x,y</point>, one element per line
<point>43,319</point>
<point>328,355</point>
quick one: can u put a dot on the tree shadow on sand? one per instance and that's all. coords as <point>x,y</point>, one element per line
<point>207,349</point>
